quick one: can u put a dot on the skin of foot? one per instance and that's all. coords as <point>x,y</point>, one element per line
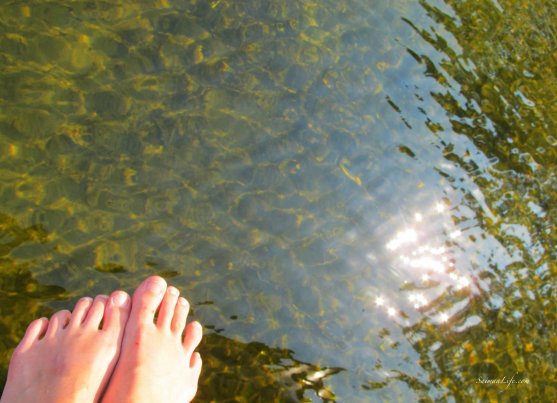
<point>157,362</point>
<point>69,358</point>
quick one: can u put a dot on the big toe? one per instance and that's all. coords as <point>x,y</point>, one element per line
<point>146,300</point>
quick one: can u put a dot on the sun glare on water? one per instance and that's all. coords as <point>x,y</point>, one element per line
<point>427,263</point>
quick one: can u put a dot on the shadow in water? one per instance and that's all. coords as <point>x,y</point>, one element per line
<point>258,373</point>
<point>21,296</point>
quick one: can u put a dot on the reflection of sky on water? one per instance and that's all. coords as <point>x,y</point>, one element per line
<point>401,255</point>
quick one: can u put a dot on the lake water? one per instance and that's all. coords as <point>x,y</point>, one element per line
<point>357,197</point>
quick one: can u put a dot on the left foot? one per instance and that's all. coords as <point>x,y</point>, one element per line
<point>69,359</point>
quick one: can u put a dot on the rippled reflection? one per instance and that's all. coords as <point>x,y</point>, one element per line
<point>429,268</point>
<point>496,138</point>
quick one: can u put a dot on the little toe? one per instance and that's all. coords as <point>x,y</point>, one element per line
<point>116,312</point>
<point>80,311</point>
<point>194,333</point>
<point>168,306</point>
<point>196,363</point>
<point>58,322</point>
<point>96,312</point>
<point>146,300</point>
<point>34,332</point>
<point>180,316</point>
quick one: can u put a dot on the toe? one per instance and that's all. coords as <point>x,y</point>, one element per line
<point>180,316</point>
<point>34,332</point>
<point>168,306</point>
<point>96,312</point>
<point>194,333</point>
<point>58,322</point>
<point>196,363</point>
<point>116,312</point>
<point>80,311</point>
<point>146,300</point>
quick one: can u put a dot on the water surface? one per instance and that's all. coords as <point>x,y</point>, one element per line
<point>357,197</point>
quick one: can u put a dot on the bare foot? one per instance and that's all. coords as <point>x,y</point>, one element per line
<point>155,365</point>
<point>69,359</point>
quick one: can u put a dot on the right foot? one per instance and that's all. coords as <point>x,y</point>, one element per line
<point>155,364</point>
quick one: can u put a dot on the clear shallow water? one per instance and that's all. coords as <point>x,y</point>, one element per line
<point>357,198</point>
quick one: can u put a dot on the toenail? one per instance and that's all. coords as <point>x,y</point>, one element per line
<point>155,286</point>
<point>120,299</point>
<point>173,291</point>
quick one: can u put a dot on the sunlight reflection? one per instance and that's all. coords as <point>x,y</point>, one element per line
<point>462,282</point>
<point>404,237</point>
<point>418,300</point>
<point>440,207</point>
<point>455,234</point>
<point>431,266</point>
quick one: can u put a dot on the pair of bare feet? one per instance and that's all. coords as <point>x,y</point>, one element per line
<point>110,348</point>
